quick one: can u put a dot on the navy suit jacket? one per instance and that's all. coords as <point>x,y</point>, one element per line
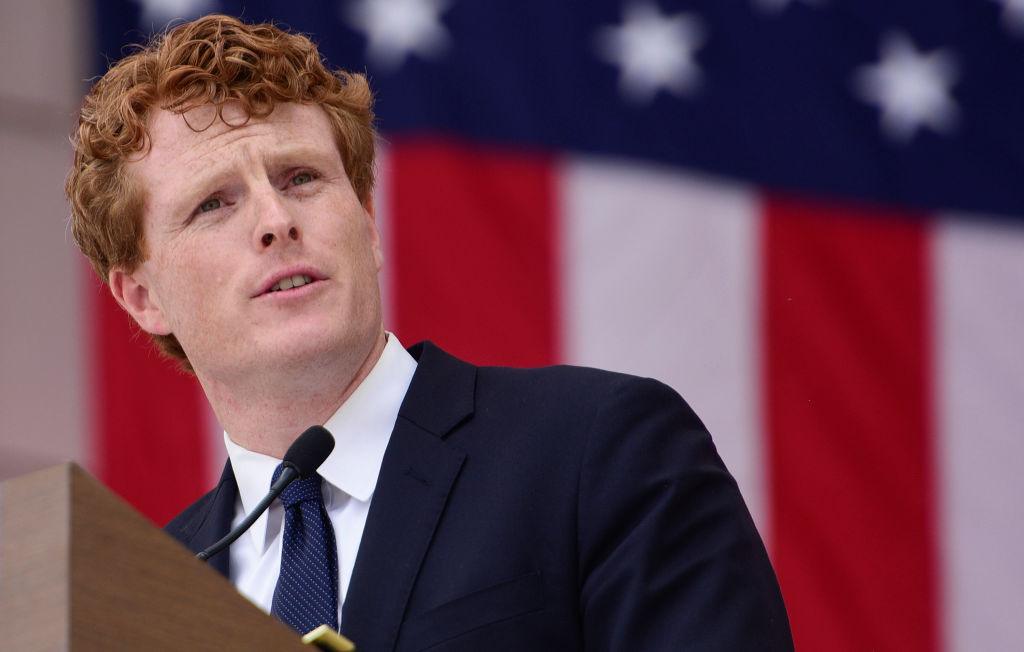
<point>545,509</point>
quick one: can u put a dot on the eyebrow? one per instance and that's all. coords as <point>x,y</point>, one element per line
<point>208,178</point>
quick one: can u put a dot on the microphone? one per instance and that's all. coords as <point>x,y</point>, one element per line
<point>303,458</point>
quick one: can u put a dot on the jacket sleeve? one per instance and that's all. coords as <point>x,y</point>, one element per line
<point>669,556</point>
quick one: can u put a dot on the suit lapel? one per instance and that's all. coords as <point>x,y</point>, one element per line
<point>417,474</point>
<point>213,520</point>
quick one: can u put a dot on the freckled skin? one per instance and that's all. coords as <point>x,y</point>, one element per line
<point>214,199</point>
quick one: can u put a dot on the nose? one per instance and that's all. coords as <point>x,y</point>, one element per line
<point>274,223</point>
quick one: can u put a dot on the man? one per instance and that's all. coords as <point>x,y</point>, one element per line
<point>222,186</point>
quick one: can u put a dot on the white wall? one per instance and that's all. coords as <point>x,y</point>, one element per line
<point>42,381</point>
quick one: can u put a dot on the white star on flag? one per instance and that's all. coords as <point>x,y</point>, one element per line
<point>778,6</point>
<point>1013,16</point>
<point>653,51</point>
<point>397,28</point>
<point>911,88</point>
<point>157,13</point>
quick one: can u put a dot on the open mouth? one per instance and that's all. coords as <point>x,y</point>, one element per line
<point>289,282</point>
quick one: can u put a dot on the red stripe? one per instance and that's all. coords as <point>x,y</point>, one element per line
<point>473,238</point>
<point>847,386</point>
<point>148,419</point>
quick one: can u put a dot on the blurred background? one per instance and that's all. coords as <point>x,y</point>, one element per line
<point>804,215</point>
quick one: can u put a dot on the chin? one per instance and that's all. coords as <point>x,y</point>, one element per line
<point>304,349</point>
<point>321,344</point>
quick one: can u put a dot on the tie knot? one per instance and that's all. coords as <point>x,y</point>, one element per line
<point>300,490</point>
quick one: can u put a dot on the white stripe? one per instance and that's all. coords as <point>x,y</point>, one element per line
<point>979,274</point>
<point>660,279</point>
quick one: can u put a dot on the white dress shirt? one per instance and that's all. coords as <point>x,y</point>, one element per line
<point>362,428</point>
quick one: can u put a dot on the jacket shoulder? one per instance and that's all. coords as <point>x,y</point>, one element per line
<point>206,512</point>
<point>191,518</point>
<point>571,388</point>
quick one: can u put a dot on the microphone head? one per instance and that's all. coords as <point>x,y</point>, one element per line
<point>309,450</point>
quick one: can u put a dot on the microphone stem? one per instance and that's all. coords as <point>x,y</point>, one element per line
<point>288,474</point>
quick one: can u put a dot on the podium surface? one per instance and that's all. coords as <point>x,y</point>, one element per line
<point>82,570</point>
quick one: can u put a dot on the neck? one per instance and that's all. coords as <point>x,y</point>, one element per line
<point>265,412</point>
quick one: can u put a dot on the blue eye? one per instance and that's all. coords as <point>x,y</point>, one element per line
<point>301,178</point>
<point>209,205</point>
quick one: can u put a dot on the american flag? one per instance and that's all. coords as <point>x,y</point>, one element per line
<point>802,214</point>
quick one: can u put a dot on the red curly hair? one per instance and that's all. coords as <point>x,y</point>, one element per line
<point>212,60</point>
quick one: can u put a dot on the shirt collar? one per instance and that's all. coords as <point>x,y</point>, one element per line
<point>361,427</point>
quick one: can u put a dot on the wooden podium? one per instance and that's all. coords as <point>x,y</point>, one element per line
<point>81,570</point>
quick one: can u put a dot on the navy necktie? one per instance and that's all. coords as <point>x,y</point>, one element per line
<point>306,595</point>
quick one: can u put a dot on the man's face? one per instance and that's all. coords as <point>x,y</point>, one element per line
<point>231,216</point>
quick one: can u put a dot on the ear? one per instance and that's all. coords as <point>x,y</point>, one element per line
<point>375,240</point>
<point>132,292</point>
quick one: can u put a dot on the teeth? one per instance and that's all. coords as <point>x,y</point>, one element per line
<point>292,282</point>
